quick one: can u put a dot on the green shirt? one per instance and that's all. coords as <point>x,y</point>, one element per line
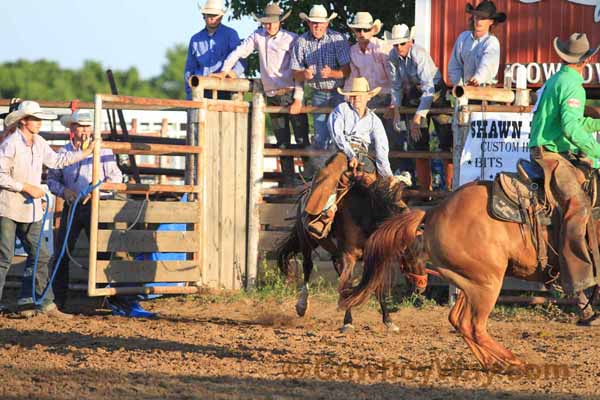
<point>558,123</point>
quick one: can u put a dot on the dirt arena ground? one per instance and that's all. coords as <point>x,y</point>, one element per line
<point>219,347</point>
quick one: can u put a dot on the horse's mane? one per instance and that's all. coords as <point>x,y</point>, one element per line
<point>370,206</point>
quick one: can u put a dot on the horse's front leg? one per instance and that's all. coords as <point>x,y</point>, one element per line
<point>307,267</point>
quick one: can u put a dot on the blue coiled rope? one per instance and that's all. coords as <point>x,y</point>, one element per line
<point>82,194</point>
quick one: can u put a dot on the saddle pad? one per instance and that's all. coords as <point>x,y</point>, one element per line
<point>501,207</point>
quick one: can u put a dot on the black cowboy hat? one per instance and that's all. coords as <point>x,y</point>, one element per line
<point>486,10</point>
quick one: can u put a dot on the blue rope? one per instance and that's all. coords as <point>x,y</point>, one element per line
<point>82,193</point>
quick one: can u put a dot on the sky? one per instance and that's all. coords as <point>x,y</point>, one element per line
<point>118,33</point>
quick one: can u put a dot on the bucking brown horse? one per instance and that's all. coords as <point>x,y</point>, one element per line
<point>469,248</point>
<point>358,215</point>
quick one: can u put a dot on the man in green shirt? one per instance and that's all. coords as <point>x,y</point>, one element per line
<point>560,133</point>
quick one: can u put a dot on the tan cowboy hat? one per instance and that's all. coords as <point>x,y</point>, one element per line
<point>364,20</point>
<point>359,86</point>
<point>576,49</point>
<point>272,13</point>
<point>400,34</point>
<point>486,10</point>
<point>27,109</point>
<point>213,7</point>
<point>317,13</point>
<point>83,118</point>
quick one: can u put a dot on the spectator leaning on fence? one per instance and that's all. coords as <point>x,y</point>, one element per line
<point>369,58</point>
<point>417,82</point>
<point>274,46</point>
<point>22,156</point>
<point>476,54</point>
<point>321,58</point>
<point>209,47</point>
<point>67,183</point>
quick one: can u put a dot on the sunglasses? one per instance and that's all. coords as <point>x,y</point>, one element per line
<point>210,15</point>
<point>401,44</point>
<point>364,30</point>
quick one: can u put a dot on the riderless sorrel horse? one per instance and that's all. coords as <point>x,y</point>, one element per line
<point>469,248</point>
<point>358,214</point>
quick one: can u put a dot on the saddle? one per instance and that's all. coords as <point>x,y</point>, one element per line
<point>524,197</point>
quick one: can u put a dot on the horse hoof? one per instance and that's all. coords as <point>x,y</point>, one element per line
<point>347,328</point>
<point>301,308</point>
<point>392,327</point>
<point>594,320</point>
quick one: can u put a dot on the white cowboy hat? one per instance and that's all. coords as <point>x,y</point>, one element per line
<point>359,86</point>
<point>83,118</point>
<point>28,109</point>
<point>364,20</point>
<point>272,13</point>
<point>213,7</point>
<point>317,13</point>
<point>400,34</point>
<point>576,49</point>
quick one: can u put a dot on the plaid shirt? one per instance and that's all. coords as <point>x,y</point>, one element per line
<point>332,50</point>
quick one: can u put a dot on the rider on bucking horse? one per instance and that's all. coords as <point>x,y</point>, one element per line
<point>561,137</point>
<point>356,131</point>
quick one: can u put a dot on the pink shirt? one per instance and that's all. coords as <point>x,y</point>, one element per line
<point>274,54</point>
<point>372,64</point>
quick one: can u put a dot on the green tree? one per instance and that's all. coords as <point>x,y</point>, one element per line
<point>402,11</point>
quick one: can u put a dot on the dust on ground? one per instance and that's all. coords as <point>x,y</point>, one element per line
<point>240,347</point>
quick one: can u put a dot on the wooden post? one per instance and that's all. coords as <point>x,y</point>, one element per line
<point>95,196</point>
<point>257,143</point>
<point>200,182</point>
<point>164,129</point>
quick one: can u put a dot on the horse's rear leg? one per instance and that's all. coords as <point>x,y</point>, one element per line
<point>472,322</point>
<point>307,267</point>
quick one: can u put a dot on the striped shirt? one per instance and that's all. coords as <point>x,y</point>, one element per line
<point>332,50</point>
<point>78,176</point>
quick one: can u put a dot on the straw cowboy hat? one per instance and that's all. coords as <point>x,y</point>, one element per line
<point>317,13</point>
<point>576,49</point>
<point>486,10</point>
<point>359,86</point>
<point>27,109</point>
<point>213,7</point>
<point>272,13</point>
<point>364,20</point>
<point>83,118</point>
<point>400,34</point>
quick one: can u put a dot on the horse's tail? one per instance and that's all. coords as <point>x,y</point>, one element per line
<point>386,244</point>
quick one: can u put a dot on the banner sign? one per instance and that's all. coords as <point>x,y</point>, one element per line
<point>495,142</point>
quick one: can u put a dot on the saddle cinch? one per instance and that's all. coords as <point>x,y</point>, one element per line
<point>521,197</point>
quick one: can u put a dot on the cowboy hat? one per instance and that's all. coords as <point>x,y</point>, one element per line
<point>576,49</point>
<point>213,7</point>
<point>400,34</point>
<point>27,109</point>
<point>359,86</point>
<point>486,10</point>
<point>364,20</point>
<point>83,118</point>
<point>272,13</point>
<point>317,13</point>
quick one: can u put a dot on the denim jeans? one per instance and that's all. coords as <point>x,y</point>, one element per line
<point>281,128</point>
<point>28,234</point>
<point>81,221</point>
<point>323,98</point>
